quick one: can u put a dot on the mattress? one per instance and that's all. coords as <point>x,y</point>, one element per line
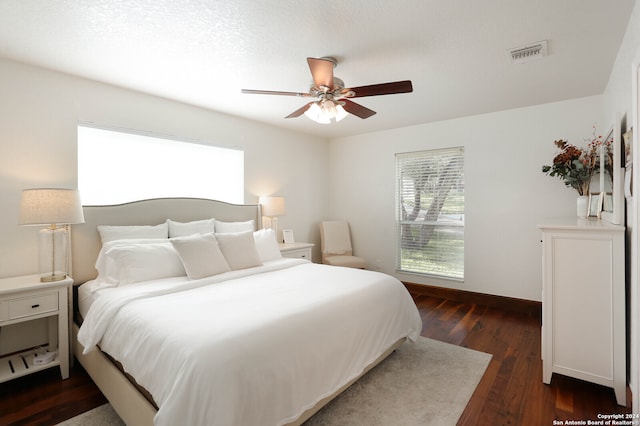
<point>257,346</point>
<point>85,297</point>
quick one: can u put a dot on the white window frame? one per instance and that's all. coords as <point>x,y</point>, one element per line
<point>439,171</point>
<point>117,166</point>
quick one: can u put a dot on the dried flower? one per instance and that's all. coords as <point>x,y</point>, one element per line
<point>576,166</point>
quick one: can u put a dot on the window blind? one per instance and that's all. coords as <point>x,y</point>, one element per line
<point>430,212</point>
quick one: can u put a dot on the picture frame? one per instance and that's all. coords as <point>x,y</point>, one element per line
<point>628,175</point>
<point>614,212</point>
<point>595,204</point>
<point>287,236</point>
<point>607,201</point>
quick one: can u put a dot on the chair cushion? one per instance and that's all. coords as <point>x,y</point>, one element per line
<point>348,261</point>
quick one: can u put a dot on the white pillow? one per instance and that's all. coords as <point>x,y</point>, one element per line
<point>182,229</point>
<point>200,255</point>
<point>108,272</point>
<point>227,227</point>
<point>239,249</point>
<point>144,262</point>
<point>267,245</point>
<point>111,233</point>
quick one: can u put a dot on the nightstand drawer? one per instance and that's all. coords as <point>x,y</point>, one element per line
<point>296,250</point>
<point>298,254</point>
<point>20,308</point>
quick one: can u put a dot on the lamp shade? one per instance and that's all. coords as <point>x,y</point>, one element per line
<point>273,206</point>
<point>46,206</point>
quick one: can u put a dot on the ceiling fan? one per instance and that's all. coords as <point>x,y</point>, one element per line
<point>333,102</point>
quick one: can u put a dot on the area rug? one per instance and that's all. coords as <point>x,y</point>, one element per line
<point>100,416</point>
<point>423,383</point>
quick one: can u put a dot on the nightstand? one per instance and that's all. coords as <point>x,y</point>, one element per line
<point>296,250</point>
<point>25,299</point>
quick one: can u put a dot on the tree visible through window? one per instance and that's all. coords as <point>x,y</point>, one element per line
<point>431,212</point>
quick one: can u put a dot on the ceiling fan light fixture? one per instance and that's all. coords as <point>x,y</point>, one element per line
<point>326,111</point>
<point>341,113</point>
<point>314,113</point>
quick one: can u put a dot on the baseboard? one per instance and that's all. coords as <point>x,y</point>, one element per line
<point>528,307</point>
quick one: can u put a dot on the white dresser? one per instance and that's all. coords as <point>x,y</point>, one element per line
<point>583,302</point>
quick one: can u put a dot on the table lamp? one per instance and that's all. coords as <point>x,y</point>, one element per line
<point>51,207</point>
<point>272,207</point>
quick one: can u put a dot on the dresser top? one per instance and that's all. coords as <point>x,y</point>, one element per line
<point>575,223</point>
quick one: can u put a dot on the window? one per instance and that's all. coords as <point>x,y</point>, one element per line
<point>430,215</point>
<point>117,167</point>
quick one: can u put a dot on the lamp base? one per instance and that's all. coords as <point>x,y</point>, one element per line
<point>50,278</point>
<point>53,254</point>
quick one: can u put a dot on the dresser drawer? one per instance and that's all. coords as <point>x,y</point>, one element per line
<point>34,305</point>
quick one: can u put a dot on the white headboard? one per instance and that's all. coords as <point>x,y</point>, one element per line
<point>85,240</point>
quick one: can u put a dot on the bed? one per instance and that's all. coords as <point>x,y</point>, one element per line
<point>263,340</point>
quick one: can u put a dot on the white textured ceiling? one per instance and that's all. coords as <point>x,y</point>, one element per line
<point>204,51</point>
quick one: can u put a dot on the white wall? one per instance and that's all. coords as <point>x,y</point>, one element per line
<point>617,95</point>
<point>40,111</point>
<point>618,99</point>
<point>506,194</point>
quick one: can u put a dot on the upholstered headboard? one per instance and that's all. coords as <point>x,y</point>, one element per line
<point>85,240</point>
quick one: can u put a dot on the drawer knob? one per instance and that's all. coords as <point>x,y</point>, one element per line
<point>35,306</point>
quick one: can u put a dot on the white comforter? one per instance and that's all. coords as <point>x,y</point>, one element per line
<point>251,347</point>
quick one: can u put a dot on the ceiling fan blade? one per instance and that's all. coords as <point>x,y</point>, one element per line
<point>357,109</point>
<point>322,72</point>
<point>299,111</point>
<point>275,92</point>
<point>380,89</point>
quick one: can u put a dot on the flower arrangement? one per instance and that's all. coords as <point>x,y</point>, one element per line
<point>576,166</point>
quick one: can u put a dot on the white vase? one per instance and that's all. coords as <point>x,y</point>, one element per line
<point>582,205</point>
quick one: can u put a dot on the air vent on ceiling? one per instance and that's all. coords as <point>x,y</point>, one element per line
<point>527,53</point>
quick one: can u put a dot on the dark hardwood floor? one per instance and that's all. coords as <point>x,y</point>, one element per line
<point>510,393</point>
<point>44,399</point>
